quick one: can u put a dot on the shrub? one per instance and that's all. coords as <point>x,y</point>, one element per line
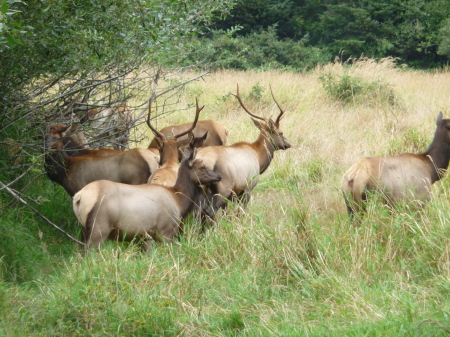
<point>353,89</point>
<point>260,50</point>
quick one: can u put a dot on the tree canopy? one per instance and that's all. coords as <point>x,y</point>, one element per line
<point>412,30</point>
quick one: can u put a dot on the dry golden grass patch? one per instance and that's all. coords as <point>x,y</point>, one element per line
<point>327,135</point>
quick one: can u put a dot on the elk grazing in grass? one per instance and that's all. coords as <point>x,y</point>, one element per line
<point>241,164</point>
<point>166,175</point>
<point>144,212</point>
<point>406,177</point>
<point>73,173</point>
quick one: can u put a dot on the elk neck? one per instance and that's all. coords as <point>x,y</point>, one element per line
<point>438,155</point>
<point>57,162</point>
<point>264,150</point>
<point>184,189</point>
<point>169,155</point>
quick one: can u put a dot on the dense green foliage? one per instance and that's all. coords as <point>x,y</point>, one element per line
<point>67,39</point>
<point>257,50</point>
<point>412,30</point>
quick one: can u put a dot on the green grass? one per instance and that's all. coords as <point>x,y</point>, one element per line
<point>254,274</point>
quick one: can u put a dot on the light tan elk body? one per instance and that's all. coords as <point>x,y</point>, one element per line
<point>73,173</point>
<point>241,164</point>
<point>167,174</point>
<point>150,212</point>
<point>215,133</point>
<point>406,177</point>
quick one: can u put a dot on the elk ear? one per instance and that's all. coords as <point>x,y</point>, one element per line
<point>257,123</point>
<point>74,127</point>
<point>192,157</point>
<point>63,128</point>
<point>439,118</point>
<point>205,136</point>
<point>159,142</point>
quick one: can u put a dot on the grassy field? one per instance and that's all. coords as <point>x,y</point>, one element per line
<point>291,263</point>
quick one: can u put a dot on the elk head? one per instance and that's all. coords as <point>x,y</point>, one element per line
<point>269,129</point>
<point>52,133</point>
<point>200,174</point>
<point>167,146</point>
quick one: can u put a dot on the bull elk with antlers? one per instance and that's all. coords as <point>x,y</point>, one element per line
<point>169,150</point>
<point>144,212</point>
<point>406,177</point>
<point>241,164</point>
<point>73,173</point>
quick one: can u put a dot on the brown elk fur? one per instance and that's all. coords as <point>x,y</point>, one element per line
<point>215,133</point>
<point>148,212</point>
<point>240,164</point>
<point>75,143</point>
<point>406,177</point>
<point>169,152</point>
<point>73,173</point>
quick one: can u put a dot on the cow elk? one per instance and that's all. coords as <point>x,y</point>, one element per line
<point>73,173</point>
<point>75,143</point>
<point>146,212</point>
<point>111,124</point>
<point>241,164</point>
<point>406,177</point>
<point>166,175</point>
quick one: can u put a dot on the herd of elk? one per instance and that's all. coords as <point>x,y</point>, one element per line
<point>406,177</point>
<point>145,212</point>
<point>144,194</point>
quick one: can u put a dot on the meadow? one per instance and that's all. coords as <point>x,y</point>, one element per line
<point>290,263</point>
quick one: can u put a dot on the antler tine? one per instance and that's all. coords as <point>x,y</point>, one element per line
<point>155,132</point>
<point>243,106</point>
<point>279,107</point>
<point>197,113</point>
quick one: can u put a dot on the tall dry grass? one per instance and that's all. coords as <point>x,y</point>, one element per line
<point>328,136</point>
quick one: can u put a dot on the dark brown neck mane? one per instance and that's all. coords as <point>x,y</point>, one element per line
<point>439,152</point>
<point>184,188</point>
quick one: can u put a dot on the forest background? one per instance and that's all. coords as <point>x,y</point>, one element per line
<point>297,269</point>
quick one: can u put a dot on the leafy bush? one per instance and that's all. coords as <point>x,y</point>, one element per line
<point>261,50</point>
<point>353,89</point>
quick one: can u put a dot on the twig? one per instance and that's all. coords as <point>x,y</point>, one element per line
<point>12,182</point>
<point>66,94</point>
<point>16,196</point>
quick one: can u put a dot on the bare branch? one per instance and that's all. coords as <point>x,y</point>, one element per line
<point>17,197</point>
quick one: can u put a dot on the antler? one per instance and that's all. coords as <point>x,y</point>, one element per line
<point>279,107</point>
<point>197,113</point>
<point>156,132</point>
<point>243,106</point>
